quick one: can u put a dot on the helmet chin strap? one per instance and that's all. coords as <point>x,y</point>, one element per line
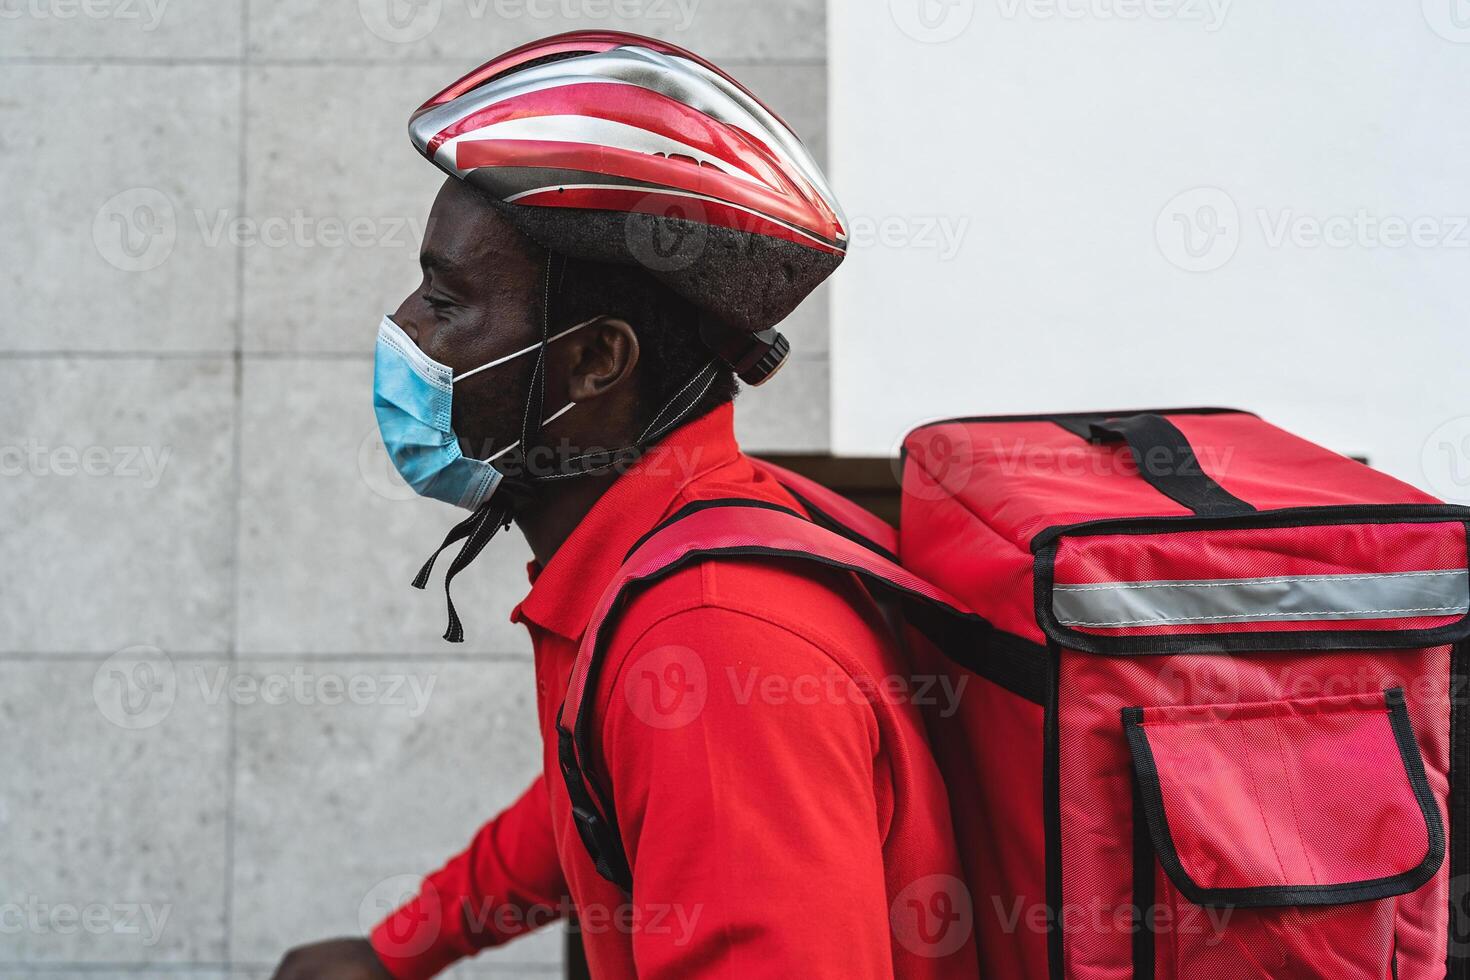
<point>497,512</point>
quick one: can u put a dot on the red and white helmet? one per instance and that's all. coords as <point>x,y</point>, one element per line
<point>618,148</point>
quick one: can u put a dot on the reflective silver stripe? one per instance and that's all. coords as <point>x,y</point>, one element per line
<point>1391,595</point>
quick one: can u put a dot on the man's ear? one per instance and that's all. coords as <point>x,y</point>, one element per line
<point>604,355</point>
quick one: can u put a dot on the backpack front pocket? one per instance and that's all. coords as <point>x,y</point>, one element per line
<point>1277,835</point>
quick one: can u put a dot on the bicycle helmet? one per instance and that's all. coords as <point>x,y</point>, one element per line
<point>612,147</point>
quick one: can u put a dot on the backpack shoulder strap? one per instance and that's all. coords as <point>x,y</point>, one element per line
<point>729,530</point>
<point>834,511</point>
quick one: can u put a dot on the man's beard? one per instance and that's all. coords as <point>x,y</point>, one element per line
<point>496,416</point>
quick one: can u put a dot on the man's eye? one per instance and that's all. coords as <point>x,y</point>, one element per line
<point>438,303</point>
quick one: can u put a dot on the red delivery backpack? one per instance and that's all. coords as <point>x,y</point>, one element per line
<point>1218,727</point>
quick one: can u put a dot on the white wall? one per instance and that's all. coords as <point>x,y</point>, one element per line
<point>1066,145</point>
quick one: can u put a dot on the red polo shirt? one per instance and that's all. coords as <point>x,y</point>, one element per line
<point>772,781</point>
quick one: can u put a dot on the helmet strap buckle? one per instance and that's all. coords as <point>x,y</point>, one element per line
<point>754,357</point>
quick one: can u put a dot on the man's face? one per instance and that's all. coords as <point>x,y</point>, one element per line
<point>478,301</point>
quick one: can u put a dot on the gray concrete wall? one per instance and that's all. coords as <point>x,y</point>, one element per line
<point>229,725</point>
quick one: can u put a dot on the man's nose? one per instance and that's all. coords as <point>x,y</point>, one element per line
<point>409,317</point>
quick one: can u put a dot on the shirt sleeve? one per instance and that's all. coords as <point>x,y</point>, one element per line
<point>743,773</point>
<point>507,882</point>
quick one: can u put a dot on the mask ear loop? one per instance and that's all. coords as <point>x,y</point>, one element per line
<point>494,514</point>
<point>669,417</point>
<point>532,421</point>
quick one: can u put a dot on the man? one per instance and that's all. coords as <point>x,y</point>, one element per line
<point>771,817</point>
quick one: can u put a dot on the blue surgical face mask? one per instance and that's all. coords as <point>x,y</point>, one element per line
<point>413,395</point>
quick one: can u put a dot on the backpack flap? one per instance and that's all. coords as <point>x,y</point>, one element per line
<point>1287,833</point>
<point>1318,801</point>
<point>1314,578</point>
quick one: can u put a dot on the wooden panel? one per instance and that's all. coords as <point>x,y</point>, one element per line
<point>870,481</point>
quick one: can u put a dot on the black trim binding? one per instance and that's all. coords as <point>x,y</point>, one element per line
<point>1064,418</point>
<point>1457,962</point>
<point>1270,896</point>
<point>1046,543</point>
<point>1051,815</point>
<point>1144,888</point>
<point>1282,517</point>
<point>826,520</point>
<point>695,506</point>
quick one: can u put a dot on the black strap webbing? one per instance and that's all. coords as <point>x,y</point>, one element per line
<point>1165,459</point>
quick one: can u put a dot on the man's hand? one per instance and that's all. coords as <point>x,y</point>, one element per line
<point>334,959</point>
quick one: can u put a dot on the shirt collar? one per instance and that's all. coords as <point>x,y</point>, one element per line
<point>564,593</point>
